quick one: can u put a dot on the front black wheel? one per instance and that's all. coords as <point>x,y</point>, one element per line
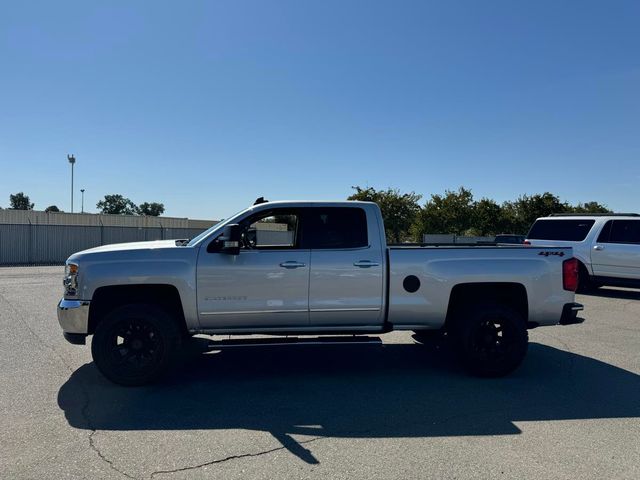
<point>135,344</point>
<point>492,340</point>
<point>436,338</point>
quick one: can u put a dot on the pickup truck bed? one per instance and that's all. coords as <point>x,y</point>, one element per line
<point>444,273</point>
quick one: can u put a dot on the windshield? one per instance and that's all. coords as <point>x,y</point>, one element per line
<point>217,226</point>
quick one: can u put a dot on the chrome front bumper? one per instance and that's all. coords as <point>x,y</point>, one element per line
<point>73,316</point>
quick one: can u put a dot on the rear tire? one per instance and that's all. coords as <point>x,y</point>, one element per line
<point>492,341</point>
<point>136,344</point>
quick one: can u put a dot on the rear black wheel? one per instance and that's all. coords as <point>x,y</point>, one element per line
<point>492,340</point>
<point>135,344</point>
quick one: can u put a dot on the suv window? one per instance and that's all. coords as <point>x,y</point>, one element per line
<point>270,230</point>
<point>573,230</point>
<point>623,231</point>
<point>604,233</point>
<point>335,227</point>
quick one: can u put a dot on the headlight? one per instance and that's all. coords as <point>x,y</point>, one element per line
<point>70,280</point>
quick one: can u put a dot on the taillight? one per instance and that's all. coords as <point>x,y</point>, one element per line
<point>526,242</point>
<point>570,274</point>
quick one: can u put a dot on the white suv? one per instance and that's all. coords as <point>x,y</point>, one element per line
<point>607,245</point>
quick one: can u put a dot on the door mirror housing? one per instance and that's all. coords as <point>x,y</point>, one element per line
<point>230,239</point>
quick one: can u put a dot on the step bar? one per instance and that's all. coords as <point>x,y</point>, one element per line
<point>293,341</point>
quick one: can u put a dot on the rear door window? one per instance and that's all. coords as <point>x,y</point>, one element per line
<point>573,230</point>
<point>625,231</point>
<point>335,227</point>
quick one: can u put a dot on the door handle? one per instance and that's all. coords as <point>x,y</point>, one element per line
<point>292,264</point>
<point>598,247</point>
<point>365,264</point>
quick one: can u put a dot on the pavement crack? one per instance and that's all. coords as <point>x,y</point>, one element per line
<point>92,443</point>
<point>83,388</point>
<point>226,459</point>
<point>104,458</point>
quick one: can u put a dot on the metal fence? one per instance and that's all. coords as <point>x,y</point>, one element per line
<point>453,238</point>
<point>53,244</point>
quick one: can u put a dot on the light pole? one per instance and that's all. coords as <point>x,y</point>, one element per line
<point>82,204</point>
<point>72,161</point>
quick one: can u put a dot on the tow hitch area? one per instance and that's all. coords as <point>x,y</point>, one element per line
<point>293,341</point>
<point>570,314</point>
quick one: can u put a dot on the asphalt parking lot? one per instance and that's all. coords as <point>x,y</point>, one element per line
<point>398,411</point>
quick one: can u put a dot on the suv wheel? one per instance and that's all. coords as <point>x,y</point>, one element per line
<point>585,282</point>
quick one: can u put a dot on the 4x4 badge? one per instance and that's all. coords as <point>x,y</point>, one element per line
<point>546,254</point>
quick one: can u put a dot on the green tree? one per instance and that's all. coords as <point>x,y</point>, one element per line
<point>590,207</point>
<point>520,214</point>
<point>448,213</point>
<point>456,212</point>
<point>117,204</point>
<point>20,201</point>
<point>487,218</point>
<point>52,208</point>
<point>152,209</point>
<point>399,210</point>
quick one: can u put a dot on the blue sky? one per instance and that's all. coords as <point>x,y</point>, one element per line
<point>206,105</point>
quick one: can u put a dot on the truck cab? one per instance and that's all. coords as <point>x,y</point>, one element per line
<point>298,266</point>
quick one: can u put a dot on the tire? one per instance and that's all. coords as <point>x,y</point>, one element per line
<point>491,340</point>
<point>585,281</point>
<point>136,344</point>
<point>427,336</point>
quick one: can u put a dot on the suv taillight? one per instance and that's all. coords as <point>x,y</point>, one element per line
<point>570,274</point>
<point>526,242</point>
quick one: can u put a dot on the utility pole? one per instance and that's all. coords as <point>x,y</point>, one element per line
<point>82,207</point>
<point>72,161</point>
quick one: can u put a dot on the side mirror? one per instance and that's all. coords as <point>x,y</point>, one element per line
<point>230,239</point>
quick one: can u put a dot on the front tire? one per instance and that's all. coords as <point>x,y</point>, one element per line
<point>135,344</point>
<point>492,341</point>
<point>428,336</point>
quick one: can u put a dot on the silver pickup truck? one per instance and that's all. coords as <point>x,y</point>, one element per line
<point>309,268</point>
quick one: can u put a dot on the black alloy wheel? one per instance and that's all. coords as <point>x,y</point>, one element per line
<point>135,344</point>
<point>492,340</point>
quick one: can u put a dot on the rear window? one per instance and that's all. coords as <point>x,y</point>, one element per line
<point>569,230</point>
<point>335,227</point>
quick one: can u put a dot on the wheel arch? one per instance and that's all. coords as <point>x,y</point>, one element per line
<point>107,298</point>
<point>465,295</point>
